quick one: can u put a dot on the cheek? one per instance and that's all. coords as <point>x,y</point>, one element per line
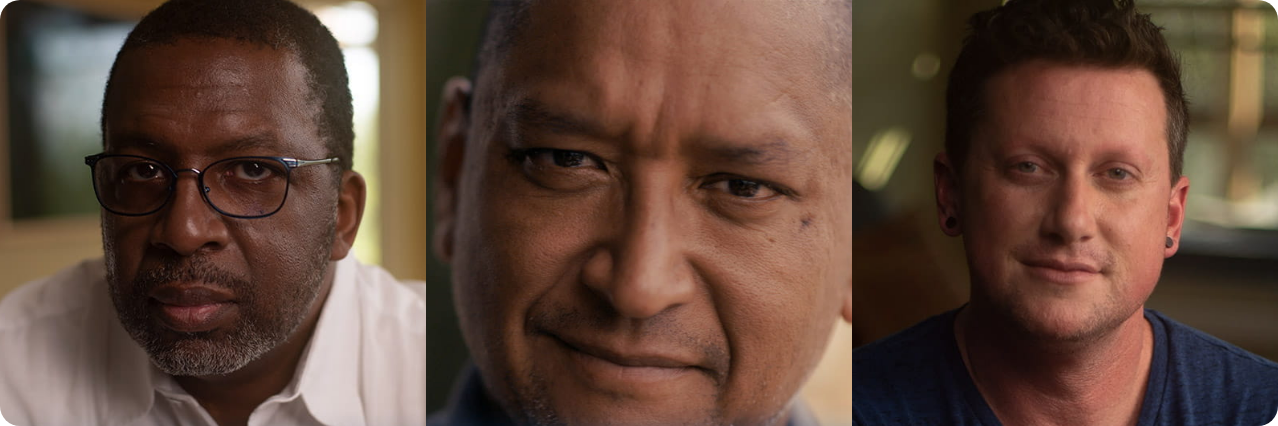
<point>1136,233</point>
<point>124,243</point>
<point>777,302</point>
<point>996,220</point>
<point>511,250</point>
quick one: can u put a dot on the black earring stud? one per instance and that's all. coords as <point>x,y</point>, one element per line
<point>1170,242</point>
<point>951,222</point>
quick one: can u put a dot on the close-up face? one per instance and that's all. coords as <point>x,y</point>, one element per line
<point>653,225</point>
<point>202,292</point>
<point>1066,197</point>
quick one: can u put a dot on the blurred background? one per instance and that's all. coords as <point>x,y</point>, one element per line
<point>1221,281</point>
<point>453,31</point>
<point>56,56</point>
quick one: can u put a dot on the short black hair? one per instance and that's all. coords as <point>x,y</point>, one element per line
<point>1105,33</point>
<point>278,24</point>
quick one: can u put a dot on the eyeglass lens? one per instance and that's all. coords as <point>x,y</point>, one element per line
<point>235,186</point>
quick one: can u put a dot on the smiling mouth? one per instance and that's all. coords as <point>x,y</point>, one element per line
<point>1062,272</point>
<point>611,369</point>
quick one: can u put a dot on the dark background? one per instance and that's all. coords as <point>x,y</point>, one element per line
<point>452,37</point>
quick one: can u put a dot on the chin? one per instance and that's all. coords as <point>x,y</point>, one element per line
<point>1066,320</point>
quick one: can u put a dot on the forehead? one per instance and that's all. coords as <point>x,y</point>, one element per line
<point>1080,105</point>
<point>725,71</point>
<point>201,93</point>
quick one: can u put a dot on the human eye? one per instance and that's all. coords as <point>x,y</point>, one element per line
<point>142,171</point>
<point>1118,173</point>
<point>1027,167</point>
<point>546,158</point>
<point>252,170</point>
<point>1026,172</point>
<point>560,169</point>
<point>744,188</point>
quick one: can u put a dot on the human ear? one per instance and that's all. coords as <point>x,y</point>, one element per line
<point>1176,214</point>
<point>350,212</point>
<point>847,303</point>
<point>454,124</point>
<point>947,195</point>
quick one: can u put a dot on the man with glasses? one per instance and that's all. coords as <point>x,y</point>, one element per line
<point>227,295</point>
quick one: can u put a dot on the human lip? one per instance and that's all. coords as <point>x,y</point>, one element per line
<point>192,308</point>
<point>189,295</point>
<point>1062,270</point>
<point>618,364</point>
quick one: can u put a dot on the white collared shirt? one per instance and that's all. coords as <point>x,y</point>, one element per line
<point>65,359</point>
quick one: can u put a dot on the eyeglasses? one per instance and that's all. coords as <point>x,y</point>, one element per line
<point>239,187</point>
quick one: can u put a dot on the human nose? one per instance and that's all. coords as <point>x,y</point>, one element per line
<point>643,271</point>
<point>1071,217</point>
<point>188,224</point>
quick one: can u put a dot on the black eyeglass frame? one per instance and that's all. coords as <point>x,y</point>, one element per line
<point>288,162</point>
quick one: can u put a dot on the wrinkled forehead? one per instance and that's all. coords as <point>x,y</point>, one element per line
<point>200,90</point>
<point>717,67</point>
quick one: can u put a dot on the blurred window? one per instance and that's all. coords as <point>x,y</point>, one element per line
<point>58,60</point>
<point>1229,51</point>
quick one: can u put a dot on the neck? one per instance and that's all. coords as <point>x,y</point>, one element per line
<point>231,398</point>
<point>1098,381</point>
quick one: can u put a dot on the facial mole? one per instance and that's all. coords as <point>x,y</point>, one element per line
<point>805,222</point>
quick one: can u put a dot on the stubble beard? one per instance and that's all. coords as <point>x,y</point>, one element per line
<point>258,329</point>
<point>1087,322</point>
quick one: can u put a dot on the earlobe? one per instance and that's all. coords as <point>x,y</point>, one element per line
<point>847,306</point>
<point>454,127</point>
<point>350,212</point>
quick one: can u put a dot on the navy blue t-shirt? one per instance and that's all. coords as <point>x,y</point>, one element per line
<point>917,377</point>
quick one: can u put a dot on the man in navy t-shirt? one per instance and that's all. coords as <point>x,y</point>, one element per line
<point>1066,128</point>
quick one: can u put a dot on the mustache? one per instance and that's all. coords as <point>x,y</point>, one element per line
<point>170,269</point>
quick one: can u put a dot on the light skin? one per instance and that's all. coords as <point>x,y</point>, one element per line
<point>1064,203</point>
<point>649,226</point>
<point>189,104</point>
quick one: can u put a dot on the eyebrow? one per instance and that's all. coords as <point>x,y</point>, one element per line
<point>764,154</point>
<point>531,113</point>
<point>528,112</point>
<point>233,146</point>
<point>246,143</point>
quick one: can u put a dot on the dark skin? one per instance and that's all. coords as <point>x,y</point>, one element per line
<point>200,100</point>
<point>646,224</point>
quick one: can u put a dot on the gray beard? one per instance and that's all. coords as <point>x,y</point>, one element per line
<point>258,331</point>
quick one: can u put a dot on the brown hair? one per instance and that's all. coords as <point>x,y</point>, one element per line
<point>1107,33</point>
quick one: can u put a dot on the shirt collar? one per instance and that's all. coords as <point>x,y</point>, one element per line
<point>328,376</point>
